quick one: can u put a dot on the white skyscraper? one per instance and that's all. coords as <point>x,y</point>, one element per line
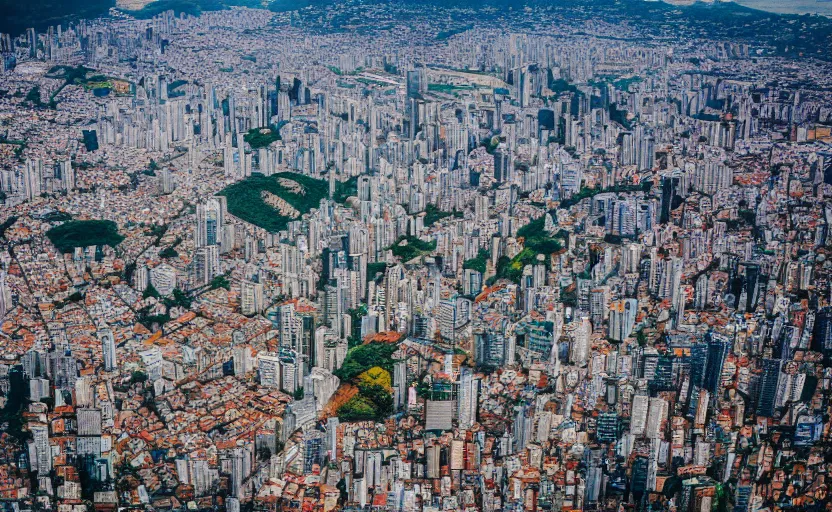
<point>140,278</point>
<point>469,388</point>
<point>206,264</point>
<point>33,178</point>
<point>622,318</point>
<point>269,370</point>
<point>42,460</point>
<point>580,341</point>
<point>251,298</point>
<point>5,295</point>
<point>210,219</point>
<point>108,348</point>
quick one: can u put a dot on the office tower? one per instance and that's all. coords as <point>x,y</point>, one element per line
<point>200,477</point>
<point>268,367</point>
<point>289,380</point>
<point>671,196</point>
<point>468,398</point>
<point>599,305</point>
<point>433,458</point>
<point>210,220</point>
<point>822,339</point>
<point>607,427</point>
<point>313,449</point>
<point>141,277</point>
<point>751,286</point>
<point>701,297</point>
<point>5,295</point>
<point>656,417</point>
<point>417,82</point>
<point>32,40</point>
<point>89,421</point>
<point>471,282</point>
<point>83,392</point>
<point>66,173</point>
<point>580,341</point>
<point>698,363</point>
<point>108,348</point>
<point>40,454</point>
<point>622,318</point>
<point>240,469</point>
<point>646,153</point>
<point>252,301</point>
<point>490,348</point>
<point>769,382</point>
<point>206,264</point>
<point>38,389</point>
<point>167,182</point>
<point>447,319</point>
<point>243,362</point>
<point>503,170</point>
<point>638,416</point>
<point>33,178</point>
<point>824,165</point>
<point>34,364</point>
<point>522,427</point>
<point>718,349</point>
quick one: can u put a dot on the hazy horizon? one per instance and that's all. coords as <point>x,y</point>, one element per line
<point>790,6</point>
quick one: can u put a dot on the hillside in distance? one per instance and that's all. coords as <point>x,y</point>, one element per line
<point>792,35</point>
<point>18,15</point>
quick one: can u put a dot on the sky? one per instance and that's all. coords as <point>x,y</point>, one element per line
<point>790,6</point>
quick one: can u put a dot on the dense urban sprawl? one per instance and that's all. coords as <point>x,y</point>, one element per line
<point>414,258</point>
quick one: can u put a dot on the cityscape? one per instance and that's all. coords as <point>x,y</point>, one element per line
<point>415,256</point>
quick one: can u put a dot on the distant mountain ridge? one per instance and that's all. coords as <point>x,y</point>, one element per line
<point>710,20</point>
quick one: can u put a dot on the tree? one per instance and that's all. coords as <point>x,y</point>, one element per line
<point>380,397</point>
<point>375,376</point>
<point>479,262</point>
<point>168,252</point>
<point>264,453</point>
<point>362,358</point>
<point>357,408</point>
<point>150,291</point>
<point>342,487</point>
<point>180,299</point>
<point>220,282</point>
<point>138,377</point>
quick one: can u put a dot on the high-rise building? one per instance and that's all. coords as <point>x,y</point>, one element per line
<point>607,427</point>
<point>251,298</point>
<point>243,362</point>
<point>580,341</point>
<point>167,182</point>
<point>502,166</point>
<point>89,421</point>
<point>718,349</point>
<point>141,277</point>
<point>447,319</point>
<point>268,367</point>
<point>108,349</point>
<point>769,382</point>
<point>5,295</point>
<point>40,453</point>
<point>206,264</point>
<point>210,220</point>
<point>622,318</point>
<point>417,82</point>
<point>468,398</point>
